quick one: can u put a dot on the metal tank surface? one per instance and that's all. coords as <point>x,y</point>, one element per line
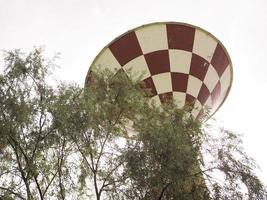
<point>179,61</point>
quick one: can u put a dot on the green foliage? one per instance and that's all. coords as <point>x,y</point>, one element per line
<point>236,168</point>
<point>163,160</point>
<point>107,106</point>
<point>68,142</point>
<point>30,146</point>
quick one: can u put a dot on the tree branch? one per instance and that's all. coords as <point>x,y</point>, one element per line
<point>12,192</point>
<point>163,190</point>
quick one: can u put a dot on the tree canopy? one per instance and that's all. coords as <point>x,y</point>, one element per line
<point>72,142</point>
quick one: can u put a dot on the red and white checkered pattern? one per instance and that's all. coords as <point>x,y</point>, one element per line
<point>179,61</point>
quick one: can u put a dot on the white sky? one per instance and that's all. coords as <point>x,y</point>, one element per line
<point>79,29</point>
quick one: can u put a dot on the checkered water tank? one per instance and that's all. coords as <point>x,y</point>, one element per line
<point>179,61</point>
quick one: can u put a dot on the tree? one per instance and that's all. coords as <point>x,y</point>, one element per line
<point>70,142</point>
<point>32,152</point>
<point>60,142</point>
<point>176,157</point>
<point>163,161</point>
<point>96,122</point>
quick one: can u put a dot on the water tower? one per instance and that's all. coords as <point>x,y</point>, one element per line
<point>179,61</point>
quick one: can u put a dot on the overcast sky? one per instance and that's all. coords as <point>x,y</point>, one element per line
<point>79,29</point>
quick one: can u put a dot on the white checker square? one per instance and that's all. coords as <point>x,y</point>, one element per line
<point>152,38</point>
<point>214,108</point>
<point>226,78</point>
<point>129,128</point>
<point>208,104</point>
<point>179,99</point>
<point>107,60</point>
<point>155,100</point>
<point>193,86</point>
<point>222,96</point>
<point>138,66</point>
<point>197,108</point>
<point>180,61</point>
<point>219,100</point>
<point>204,45</point>
<point>162,82</point>
<point>211,78</point>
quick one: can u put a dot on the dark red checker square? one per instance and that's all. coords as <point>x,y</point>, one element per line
<point>158,61</point>
<point>179,81</point>
<point>149,84</point>
<point>215,94</point>
<point>180,37</point>
<point>199,67</point>
<point>126,48</point>
<point>219,60</point>
<point>190,99</point>
<point>200,114</point>
<point>203,94</point>
<point>121,71</point>
<point>89,77</point>
<point>166,97</point>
